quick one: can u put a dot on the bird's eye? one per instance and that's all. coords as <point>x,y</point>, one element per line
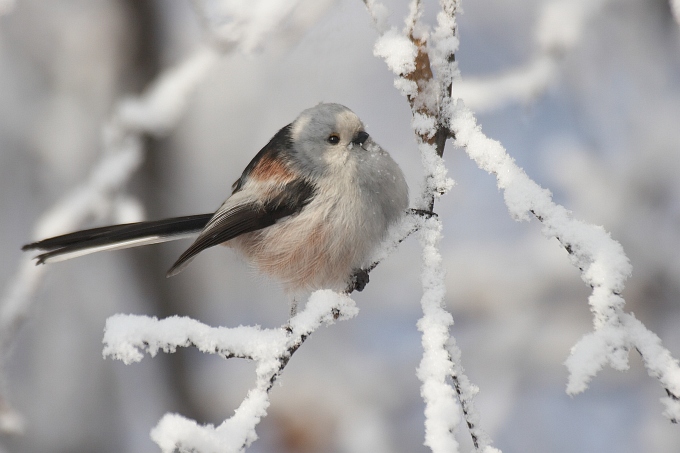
<point>334,139</point>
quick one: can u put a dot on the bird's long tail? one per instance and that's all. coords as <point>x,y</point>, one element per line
<point>116,237</point>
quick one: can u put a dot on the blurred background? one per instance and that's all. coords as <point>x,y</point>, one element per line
<point>599,128</point>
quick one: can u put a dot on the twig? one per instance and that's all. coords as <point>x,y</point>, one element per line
<point>602,262</point>
<point>127,337</point>
<point>429,99</point>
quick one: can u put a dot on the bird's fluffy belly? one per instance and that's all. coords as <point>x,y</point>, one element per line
<point>305,252</point>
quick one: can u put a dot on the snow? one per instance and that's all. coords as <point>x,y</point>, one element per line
<point>604,266</point>
<point>558,31</point>
<point>437,180</point>
<point>379,15</point>
<point>128,337</point>
<point>675,8</point>
<point>159,108</point>
<point>249,25</point>
<point>413,20</point>
<point>610,345</point>
<point>442,412</point>
<point>406,87</point>
<point>320,309</point>
<point>424,125</point>
<point>560,24</point>
<point>397,50</point>
<point>521,84</point>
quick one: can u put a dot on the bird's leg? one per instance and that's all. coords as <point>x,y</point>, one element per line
<point>357,281</point>
<point>293,307</point>
<point>422,213</point>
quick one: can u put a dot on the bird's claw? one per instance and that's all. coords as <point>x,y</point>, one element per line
<point>357,281</point>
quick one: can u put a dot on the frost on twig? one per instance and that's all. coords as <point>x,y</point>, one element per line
<point>602,261</point>
<point>415,56</point>
<point>128,337</point>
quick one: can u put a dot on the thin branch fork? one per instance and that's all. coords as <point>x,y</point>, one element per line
<point>422,76</point>
<point>570,250</point>
<point>129,337</point>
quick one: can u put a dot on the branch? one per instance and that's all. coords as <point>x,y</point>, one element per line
<point>128,337</point>
<point>154,112</point>
<point>559,29</point>
<point>409,57</point>
<point>601,260</point>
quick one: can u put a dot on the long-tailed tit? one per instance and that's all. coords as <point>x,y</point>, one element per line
<point>308,210</point>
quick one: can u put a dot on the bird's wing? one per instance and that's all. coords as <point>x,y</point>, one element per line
<point>243,213</point>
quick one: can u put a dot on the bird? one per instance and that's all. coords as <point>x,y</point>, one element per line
<point>308,210</point>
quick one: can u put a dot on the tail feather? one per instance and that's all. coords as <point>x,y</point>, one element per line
<point>116,237</point>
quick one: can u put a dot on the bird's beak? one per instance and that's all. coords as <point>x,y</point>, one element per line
<point>360,138</point>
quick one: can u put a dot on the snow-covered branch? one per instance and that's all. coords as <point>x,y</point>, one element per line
<point>246,25</point>
<point>602,261</point>
<point>559,29</point>
<point>442,412</point>
<point>154,112</point>
<point>422,57</point>
<point>127,337</point>
<point>160,107</point>
<point>412,59</point>
<point>675,8</point>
